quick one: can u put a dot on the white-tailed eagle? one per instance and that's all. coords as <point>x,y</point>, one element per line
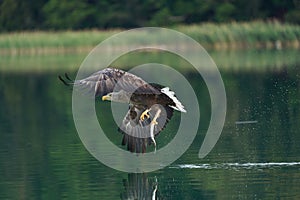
<point>150,105</point>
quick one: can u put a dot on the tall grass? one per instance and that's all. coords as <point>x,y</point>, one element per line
<point>51,42</point>
<point>256,34</point>
<point>235,35</point>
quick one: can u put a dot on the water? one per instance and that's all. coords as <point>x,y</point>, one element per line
<point>256,157</point>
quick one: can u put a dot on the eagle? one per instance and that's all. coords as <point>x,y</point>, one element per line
<point>151,105</point>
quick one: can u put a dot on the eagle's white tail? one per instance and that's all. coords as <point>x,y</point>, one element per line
<point>178,106</point>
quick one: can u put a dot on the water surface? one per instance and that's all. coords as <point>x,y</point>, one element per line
<point>256,157</point>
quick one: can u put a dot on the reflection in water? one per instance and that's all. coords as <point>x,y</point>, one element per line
<point>42,157</point>
<point>138,186</point>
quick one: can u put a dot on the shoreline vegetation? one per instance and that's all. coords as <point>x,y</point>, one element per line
<point>231,36</point>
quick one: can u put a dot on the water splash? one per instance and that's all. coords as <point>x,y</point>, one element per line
<point>246,122</point>
<point>236,165</point>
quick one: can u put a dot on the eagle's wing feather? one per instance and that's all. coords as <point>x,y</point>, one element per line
<point>108,80</point>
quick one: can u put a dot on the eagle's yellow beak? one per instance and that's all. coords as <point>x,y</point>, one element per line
<point>106,98</point>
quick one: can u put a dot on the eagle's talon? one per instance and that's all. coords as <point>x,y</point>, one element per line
<point>145,115</point>
<point>154,122</point>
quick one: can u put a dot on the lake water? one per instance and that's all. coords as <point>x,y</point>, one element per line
<point>256,157</point>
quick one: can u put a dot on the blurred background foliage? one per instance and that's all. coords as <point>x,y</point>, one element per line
<point>16,15</point>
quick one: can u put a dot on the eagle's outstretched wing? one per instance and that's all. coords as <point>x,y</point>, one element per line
<point>108,80</point>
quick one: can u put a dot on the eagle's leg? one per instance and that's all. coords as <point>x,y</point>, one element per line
<point>145,115</point>
<point>157,114</point>
<point>152,124</point>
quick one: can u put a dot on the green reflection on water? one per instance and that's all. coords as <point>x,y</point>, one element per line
<point>42,157</point>
<point>251,60</point>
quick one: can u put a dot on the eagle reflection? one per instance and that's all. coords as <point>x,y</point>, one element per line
<point>138,186</point>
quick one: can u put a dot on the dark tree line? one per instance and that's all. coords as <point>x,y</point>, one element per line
<point>85,14</point>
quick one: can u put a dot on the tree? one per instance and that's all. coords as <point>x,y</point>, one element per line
<point>20,15</point>
<point>64,14</point>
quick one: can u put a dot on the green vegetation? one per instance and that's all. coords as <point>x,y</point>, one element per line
<point>256,34</point>
<point>104,14</point>
<point>40,42</point>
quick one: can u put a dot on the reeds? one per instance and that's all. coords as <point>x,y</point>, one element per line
<point>239,35</point>
<point>40,42</point>
<point>234,35</point>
